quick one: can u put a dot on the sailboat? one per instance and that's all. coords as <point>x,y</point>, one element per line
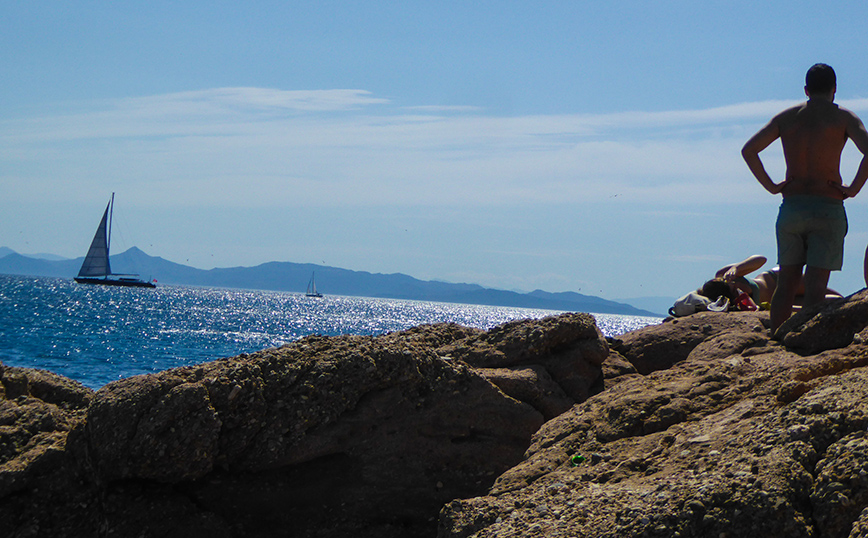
<point>311,288</point>
<point>96,269</point>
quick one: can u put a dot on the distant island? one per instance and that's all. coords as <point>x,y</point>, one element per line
<point>294,277</point>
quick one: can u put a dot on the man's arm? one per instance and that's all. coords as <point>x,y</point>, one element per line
<point>750,153</point>
<point>857,133</point>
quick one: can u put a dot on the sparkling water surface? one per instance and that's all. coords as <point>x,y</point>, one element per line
<point>97,334</point>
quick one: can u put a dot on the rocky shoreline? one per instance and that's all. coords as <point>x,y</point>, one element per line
<point>700,426</point>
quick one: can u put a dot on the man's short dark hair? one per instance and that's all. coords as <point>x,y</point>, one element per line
<point>820,79</point>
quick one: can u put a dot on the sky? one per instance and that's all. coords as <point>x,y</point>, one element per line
<point>576,146</point>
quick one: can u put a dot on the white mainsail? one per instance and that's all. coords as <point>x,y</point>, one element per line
<point>96,262</point>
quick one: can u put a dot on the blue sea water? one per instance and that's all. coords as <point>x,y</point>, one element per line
<point>98,334</point>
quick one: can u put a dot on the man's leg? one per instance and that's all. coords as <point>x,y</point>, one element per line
<point>789,277</point>
<point>816,281</point>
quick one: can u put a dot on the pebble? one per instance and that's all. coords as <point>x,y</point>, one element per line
<point>555,488</point>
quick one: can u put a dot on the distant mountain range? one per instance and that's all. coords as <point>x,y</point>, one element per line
<point>293,277</point>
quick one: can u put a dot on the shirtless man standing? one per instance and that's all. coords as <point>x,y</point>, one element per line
<point>811,224</point>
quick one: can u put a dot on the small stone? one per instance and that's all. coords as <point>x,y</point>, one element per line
<point>696,506</point>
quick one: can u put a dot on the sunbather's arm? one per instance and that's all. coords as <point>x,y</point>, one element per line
<point>742,268</point>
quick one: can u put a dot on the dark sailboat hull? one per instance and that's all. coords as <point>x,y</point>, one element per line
<point>125,282</point>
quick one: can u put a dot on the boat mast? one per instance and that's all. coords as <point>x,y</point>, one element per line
<point>109,236</point>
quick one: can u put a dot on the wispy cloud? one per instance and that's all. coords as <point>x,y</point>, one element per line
<point>252,99</point>
<point>442,108</point>
<point>254,146</point>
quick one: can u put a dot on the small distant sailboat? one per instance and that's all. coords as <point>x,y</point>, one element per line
<point>96,269</point>
<point>311,288</point>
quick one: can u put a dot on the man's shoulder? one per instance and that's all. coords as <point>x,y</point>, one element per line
<point>788,117</point>
<point>789,112</point>
<point>849,114</point>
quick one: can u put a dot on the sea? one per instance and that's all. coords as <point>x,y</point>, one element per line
<point>99,334</point>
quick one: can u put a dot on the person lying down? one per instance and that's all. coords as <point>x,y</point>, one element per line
<point>732,283</point>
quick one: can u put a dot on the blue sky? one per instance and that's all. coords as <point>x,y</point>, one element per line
<point>566,146</point>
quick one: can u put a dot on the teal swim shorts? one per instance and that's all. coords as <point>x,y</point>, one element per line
<point>810,231</point>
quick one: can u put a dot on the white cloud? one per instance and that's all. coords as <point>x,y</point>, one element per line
<point>256,147</point>
<point>443,108</point>
<point>854,104</point>
<point>246,99</point>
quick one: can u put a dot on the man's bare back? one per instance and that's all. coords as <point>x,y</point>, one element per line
<point>812,222</point>
<point>813,136</point>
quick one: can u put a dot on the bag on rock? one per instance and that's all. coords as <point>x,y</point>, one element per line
<point>689,304</point>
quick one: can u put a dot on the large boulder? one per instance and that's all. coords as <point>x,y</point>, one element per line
<point>324,432</point>
<point>363,436</point>
<point>830,325</point>
<point>550,363</point>
<point>700,426</point>
<point>659,347</point>
<point>727,433</point>
<point>38,410</point>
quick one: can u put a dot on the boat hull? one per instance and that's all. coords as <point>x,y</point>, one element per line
<point>123,282</point>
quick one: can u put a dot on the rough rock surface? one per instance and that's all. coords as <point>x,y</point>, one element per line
<point>38,409</point>
<point>362,436</point>
<point>700,426</point>
<point>721,431</point>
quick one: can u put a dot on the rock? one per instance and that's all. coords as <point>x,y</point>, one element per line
<point>365,427</point>
<point>699,426</point>
<point>860,528</point>
<point>841,490</point>
<point>38,410</point>
<point>367,436</point>
<point>831,325</point>
<point>726,434</point>
<point>532,384</point>
<point>659,347</point>
<point>569,347</point>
